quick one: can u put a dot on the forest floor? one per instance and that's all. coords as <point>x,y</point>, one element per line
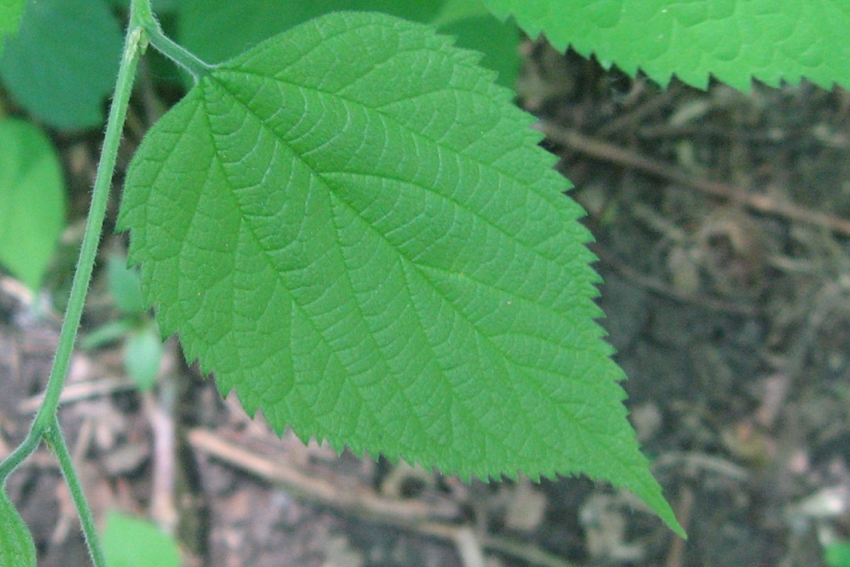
<point>722,224</point>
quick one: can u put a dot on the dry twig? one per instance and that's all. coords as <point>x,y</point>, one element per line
<point>411,515</point>
<point>761,203</point>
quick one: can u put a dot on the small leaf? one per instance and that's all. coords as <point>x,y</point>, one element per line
<point>837,554</point>
<point>32,201</point>
<point>17,548</point>
<point>132,542</point>
<point>357,231</point>
<point>734,40</point>
<point>63,61</point>
<point>124,286</point>
<point>142,356</point>
<point>108,333</point>
<point>10,16</point>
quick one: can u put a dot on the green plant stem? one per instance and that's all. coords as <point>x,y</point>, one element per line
<point>53,436</point>
<point>46,425</point>
<point>176,52</point>
<point>20,453</point>
<point>135,42</point>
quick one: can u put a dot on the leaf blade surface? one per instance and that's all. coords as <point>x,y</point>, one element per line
<point>382,258</point>
<point>734,40</point>
<point>17,548</point>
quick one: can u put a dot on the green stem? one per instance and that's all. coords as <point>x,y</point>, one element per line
<point>46,425</point>
<point>134,44</point>
<point>176,52</point>
<point>13,461</point>
<point>54,438</point>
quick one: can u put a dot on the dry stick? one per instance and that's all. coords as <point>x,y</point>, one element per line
<point>826,301</point>
<point>701,461</point>
<point>309,487</point>
<point>411,515</point>
<point>761,203</point>
<point>81,391</point>
<point>160,410</point>
<point>531,554</point>
<point>469,548</point>
<point>676,553</point>
<point>634,116</point>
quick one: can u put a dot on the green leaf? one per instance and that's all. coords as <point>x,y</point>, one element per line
<point>62,63</point>
<point>131,542</point>
<point>32,201</point>
<point>498,41</point>
<point>355,230</point>
<point>771,40</point>
<point>206,26</point>
<point>108,333</point>
<point>124,286</point>
<point>142,356</point>
<point>10,16</point>
<point>837,554</point>
<point>16,546</point>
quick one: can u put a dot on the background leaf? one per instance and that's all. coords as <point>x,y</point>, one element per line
<point>124,286</point>
<point>132,542</point>
<point>143,355</point>
<point>206,26</point>
<point>32,201</point>
<point>203,23</point>
<point>477,29</point>
<point>771,40</point>
<point>62,63</point>
<point>108,333</point>
<point>16,545</point>
<point>10,16</point>
<point>837,554</point>
<point>456,10</point>
<point>382,257</point>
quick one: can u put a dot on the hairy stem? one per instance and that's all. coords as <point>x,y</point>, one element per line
<point>24,450</point>
<point>53,436</point>
<point>46,425</point>
<point>134,44</point>
<point>176,52</point>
